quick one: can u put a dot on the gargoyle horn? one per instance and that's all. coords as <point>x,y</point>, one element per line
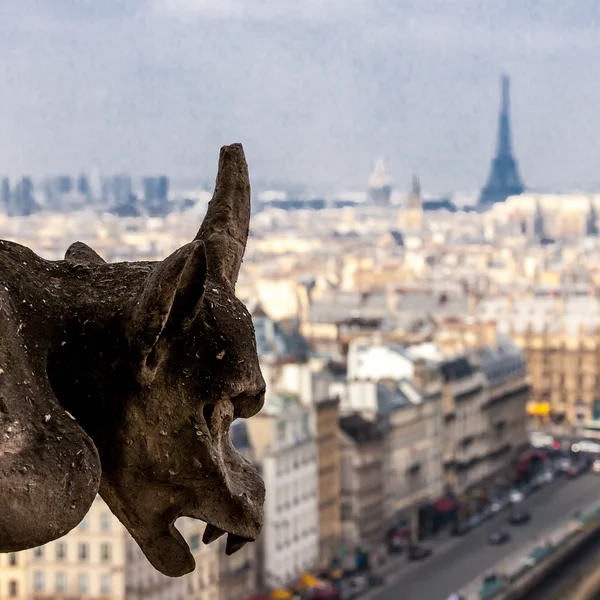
<point>225,228</point>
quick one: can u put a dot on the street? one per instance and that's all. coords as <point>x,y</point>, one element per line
<point>466,558</point>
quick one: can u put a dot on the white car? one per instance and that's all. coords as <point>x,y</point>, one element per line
<point>516,496</point>
<point>548,476</point>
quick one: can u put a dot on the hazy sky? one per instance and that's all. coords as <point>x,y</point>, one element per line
<point>315,89</point>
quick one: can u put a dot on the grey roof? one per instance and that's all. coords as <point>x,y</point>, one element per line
<point>501,361</point>
<point>393,395</point>
<point>410,305</point>
<point>542,313</point>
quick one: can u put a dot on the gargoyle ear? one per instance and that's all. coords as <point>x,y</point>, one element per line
<point>170,295</point>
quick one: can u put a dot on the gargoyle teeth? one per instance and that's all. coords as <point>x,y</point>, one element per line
<point>211,533</point>
<point>235,543</point>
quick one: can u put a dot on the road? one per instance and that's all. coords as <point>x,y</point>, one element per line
<point>469,557</point>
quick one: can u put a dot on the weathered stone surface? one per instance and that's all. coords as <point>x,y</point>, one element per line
<point>123,379</point>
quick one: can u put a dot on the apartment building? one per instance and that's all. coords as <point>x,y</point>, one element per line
<point>13,575</point>
<point>87,563</point>
<point>382,380</point>
<point>329,457</point>
<point>559,335</point>
<point>362,485</point>
<point>413,440</point>
<point>508,392</point>
<point>284,442</point>
<point>465,432</point>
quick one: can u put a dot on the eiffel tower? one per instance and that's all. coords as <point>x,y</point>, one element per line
<point>504,179</point>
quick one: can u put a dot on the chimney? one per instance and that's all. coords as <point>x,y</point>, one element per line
<point>391,299</point>
<point>418,380</point>
<point>473,299</point>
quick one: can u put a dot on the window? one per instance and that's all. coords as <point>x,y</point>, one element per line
<point>83,552</point>
<point>84,525</point>
<point>38,581</point>
<point>194,542</point>
<point>83,583</point>
<point>38,553</point>
<point>281,430</point>
<point>105,553</point>
<point>13,589</point>
<point>105,584</point>
<point>12,559</point>
<point>61,551</point>
<point>105,521</point>
<point>61,582</point>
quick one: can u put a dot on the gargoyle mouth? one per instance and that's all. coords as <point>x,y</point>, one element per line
<point>234,542</point>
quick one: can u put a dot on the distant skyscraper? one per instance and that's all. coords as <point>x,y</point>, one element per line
<point>504,179</point>
<point>95,184</point>
<point>380,188</point>
<point>5,196</point>
<point>156,194</point>
<point>24,203</point>
<point>83,186</point>
<point>120,189</point>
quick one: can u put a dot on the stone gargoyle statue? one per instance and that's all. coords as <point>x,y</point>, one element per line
<point>123,379</point>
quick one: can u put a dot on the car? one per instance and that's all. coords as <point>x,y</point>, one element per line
<point>460,528</point>
<point>516,496</point>
<point>487,513</point>
<point>375,579</point>
<point>475,520</point>
<point>519,517</point>
<point>564,464</point>
<point>419,553</point>
<point>496,538</point>
<point>548,476</point>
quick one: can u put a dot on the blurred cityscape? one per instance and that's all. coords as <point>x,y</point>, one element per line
<point>430,362</point>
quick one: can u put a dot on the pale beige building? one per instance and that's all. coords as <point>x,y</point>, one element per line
<point>87,563</point>
<point>413,474</point>
<point>362,485</point>
<point>329,460</point>
<point>13,575</point>
<point>464,446</point>
<point>486,414</point>
<point>560,340</point>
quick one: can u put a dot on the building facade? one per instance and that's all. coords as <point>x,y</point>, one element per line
<point>362,485</point>
<point>465,424</point>
<point>87,563</point>
<point>329,457</point>
<point>508,392</point>
<point>413,474</point>
<point>284,441</point>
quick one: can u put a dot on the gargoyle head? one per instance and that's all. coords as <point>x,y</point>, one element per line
<point>165,377</point>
